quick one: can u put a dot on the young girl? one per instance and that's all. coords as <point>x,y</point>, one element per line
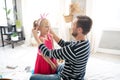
<point>44,64</point>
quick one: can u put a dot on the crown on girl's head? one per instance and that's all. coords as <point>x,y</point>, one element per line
<point>42,16</point>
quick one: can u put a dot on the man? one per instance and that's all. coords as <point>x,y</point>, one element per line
<point>75,53</point>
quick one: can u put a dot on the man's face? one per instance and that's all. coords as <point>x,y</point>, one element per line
<point>74,28</point>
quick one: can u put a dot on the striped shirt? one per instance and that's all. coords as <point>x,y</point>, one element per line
<point>75,54</point>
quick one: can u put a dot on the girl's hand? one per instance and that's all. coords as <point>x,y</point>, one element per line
<point>35,31</point>
<point>35,24</point>
<point>53,66</point>
<point>35,34</point>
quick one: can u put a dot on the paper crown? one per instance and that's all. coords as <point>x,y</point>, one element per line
<point>42,16</point>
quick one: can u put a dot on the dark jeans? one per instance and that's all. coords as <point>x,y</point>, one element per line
<point>48,77</point>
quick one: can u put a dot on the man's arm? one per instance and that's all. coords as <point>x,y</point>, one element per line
<point>56,38</point>
<point>64,53</point>
<point>60,42</point>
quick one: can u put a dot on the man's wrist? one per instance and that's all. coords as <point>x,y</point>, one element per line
<point>40,42</point>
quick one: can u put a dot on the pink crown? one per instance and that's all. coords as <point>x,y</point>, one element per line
<point>42,16</point>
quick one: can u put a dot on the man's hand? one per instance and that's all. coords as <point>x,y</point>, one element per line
<point>56,38</point>
<point>51,31</point>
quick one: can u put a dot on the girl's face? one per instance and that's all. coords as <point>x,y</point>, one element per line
<point>44,27</point>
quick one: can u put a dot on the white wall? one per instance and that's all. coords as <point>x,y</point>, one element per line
<point>31,10</point>
<point>3,20</point>
<point>105,15</point>
<point>2,13</point>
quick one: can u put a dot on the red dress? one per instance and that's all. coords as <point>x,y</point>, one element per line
<point>41,66</point>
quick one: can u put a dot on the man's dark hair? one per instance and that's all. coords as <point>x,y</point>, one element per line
<point>85,23</point>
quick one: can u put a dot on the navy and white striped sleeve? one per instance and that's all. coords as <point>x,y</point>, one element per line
<point>62,43</point>
<point>65,53</point>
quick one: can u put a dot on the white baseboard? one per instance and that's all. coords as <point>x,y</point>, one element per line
<point>109,51</point>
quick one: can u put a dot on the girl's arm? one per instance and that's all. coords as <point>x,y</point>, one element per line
<point>35,34</point>
<point>48,60</point>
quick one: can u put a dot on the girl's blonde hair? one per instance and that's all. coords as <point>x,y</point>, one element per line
<point>43,22</point>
